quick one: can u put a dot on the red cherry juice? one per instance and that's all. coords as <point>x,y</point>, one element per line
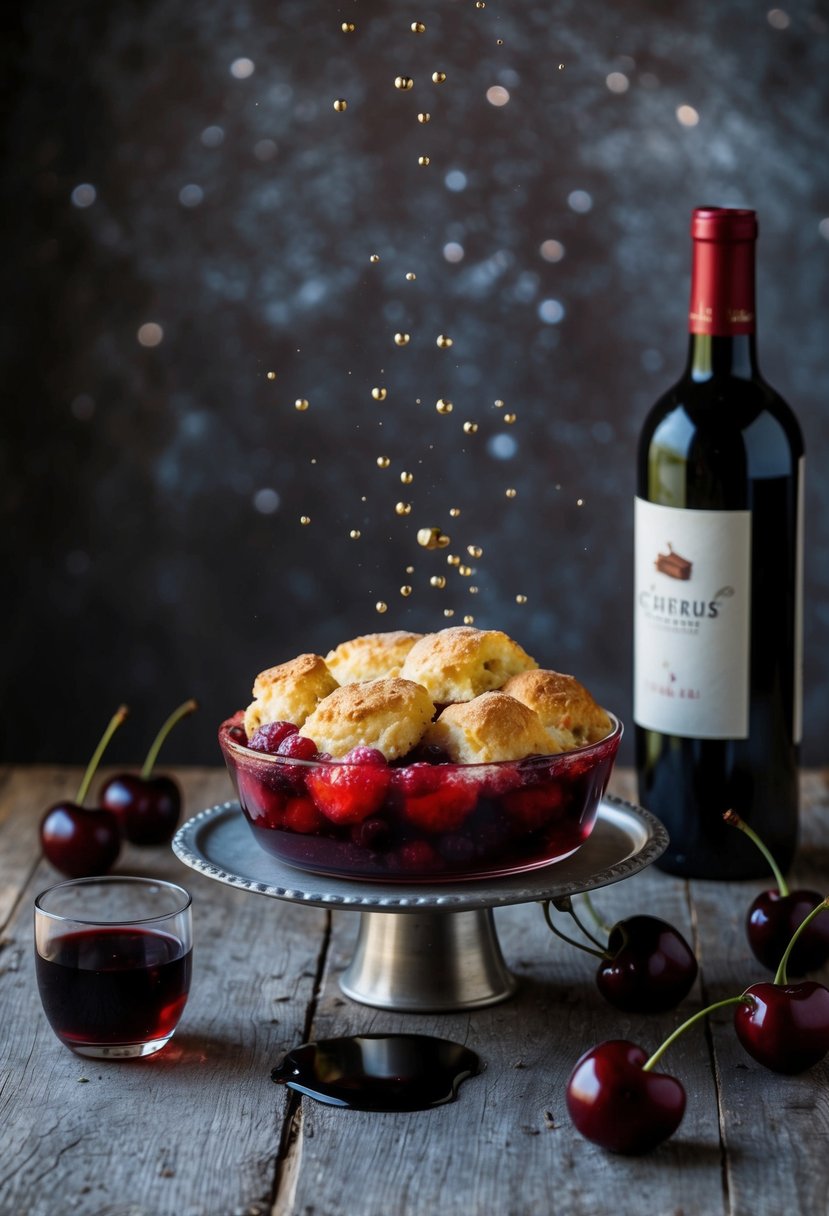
<point>113,986</point>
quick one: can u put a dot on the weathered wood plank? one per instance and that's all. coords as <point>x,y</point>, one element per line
<point>25,793</point>
<point>507,1145</point>
<point>194,1130</point>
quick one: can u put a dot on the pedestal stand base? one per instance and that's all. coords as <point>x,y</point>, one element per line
<point>422,962</point>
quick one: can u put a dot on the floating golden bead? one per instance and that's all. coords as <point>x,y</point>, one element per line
<point>520,599</point>
<point>379,394</point>
<point>410,277</point>
<point>410,569</point>
<point>383,462</point>
<point>453,559</point>
<point>354,534</point>
<point>510,418</point>
<point>432,538</point>
<point>271,375</point>
<point>403,508</point>
<point>449,612</point>
<point>380,606</point>
<point>424,160</point>
<point>470,428</point>
<point>407,478</point>
<point>438,77</point>
<point>499,405</point>
<point>340,104</point>
<point>304,519</point>
<point>474,550</point>
<point>301,404</point>
<point>348,27</point>
<point>510,493</point>
<point>444,341</point>
<point>405,590</point>
<point>424,116</point>
<point>469,620</point>
<point>438,580</point>
<point>375,257</point>
<point>454,512</point>
<point>465,571</point>
<point>499,42</point>
<point>402,339</point>
<point>417,27</point>
<point>403,82</point>
<point>480,3</point>
<point>443,406</point>
<point>472,590</point>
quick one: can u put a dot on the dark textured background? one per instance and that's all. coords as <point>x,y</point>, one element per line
<point>152,494</point>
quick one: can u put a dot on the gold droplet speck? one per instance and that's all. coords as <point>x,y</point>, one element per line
<point>509,419</point>
<point>438,580</point>
<point>271,375</point>
<point>383,462</point>
<point>424,116</point>
<point>375,258</point>
<point>340,104</point>
<point>474,550</point>
<point>417,27</point>
<point>480,3</point>
<point>403,82</point>
<point>499,42</point>
<point>410,277</point>
<point>473,590</point>
<point>470,428</point>
<point>424,160</point>
<point>354,534</point>
<point>438,77</point>
<point>405,590</point>
<point>469,620</point>
<point>407,478</point>
<point>348,27</point>
<point>379,394</point>
<point>520,599</point>
<point>452,559</point>
<point>443,406</point>
<point>454,512</point>
<point>301,404</point>
<point>380,606</point>
<point>510,493</point>
<point>402,339</point>
<point>304,519</point>
<point>431,538</point>
<point>465,571</point>
<point>449,612</point>
<point>403,508</point>
<point>444,341</point>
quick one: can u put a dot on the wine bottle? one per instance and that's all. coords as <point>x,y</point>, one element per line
<point>718,581</point>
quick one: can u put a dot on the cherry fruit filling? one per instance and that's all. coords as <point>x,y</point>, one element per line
<point>421,817</point>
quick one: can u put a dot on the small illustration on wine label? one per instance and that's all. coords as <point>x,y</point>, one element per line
<point>673,565</point>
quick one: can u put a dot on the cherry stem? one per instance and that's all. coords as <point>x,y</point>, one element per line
<point>152,755</point>
<point>601,924</point>
<point>701,1013</point>
<point>736,822</point>
<point>91,768</point>
<point>781,976</point>
<point>565,904</point>
<point>570,940</point>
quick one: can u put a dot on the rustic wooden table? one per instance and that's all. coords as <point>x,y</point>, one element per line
<point>200,1130</point>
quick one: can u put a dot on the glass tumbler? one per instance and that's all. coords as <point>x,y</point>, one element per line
<point>113,957</point>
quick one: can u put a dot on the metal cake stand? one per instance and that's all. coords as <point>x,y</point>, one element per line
<point>423,947</point>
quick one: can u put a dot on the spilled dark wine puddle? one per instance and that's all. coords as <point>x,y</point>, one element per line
<point>380,1072</point>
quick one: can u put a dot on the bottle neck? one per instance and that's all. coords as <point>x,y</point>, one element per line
<point>721,318</point>
<point>711,355</point>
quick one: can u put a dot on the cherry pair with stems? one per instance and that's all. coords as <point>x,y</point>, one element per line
<point>617,1100</point>
<point>139,807</point>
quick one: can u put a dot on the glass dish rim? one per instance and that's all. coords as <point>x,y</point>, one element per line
<point>115,880</point>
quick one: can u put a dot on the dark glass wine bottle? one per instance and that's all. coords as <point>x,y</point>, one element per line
<point>719,553</point>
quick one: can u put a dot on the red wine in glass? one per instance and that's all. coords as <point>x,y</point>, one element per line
<point>114,986</point>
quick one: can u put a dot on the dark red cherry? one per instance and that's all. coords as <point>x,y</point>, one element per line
<point>148,808</point>
<point>613,1101</point>
<point>785,1027</point>
<point>77,840</point>
<point>771,921</point>
<point>268,736</point>
<point>651,967</point>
